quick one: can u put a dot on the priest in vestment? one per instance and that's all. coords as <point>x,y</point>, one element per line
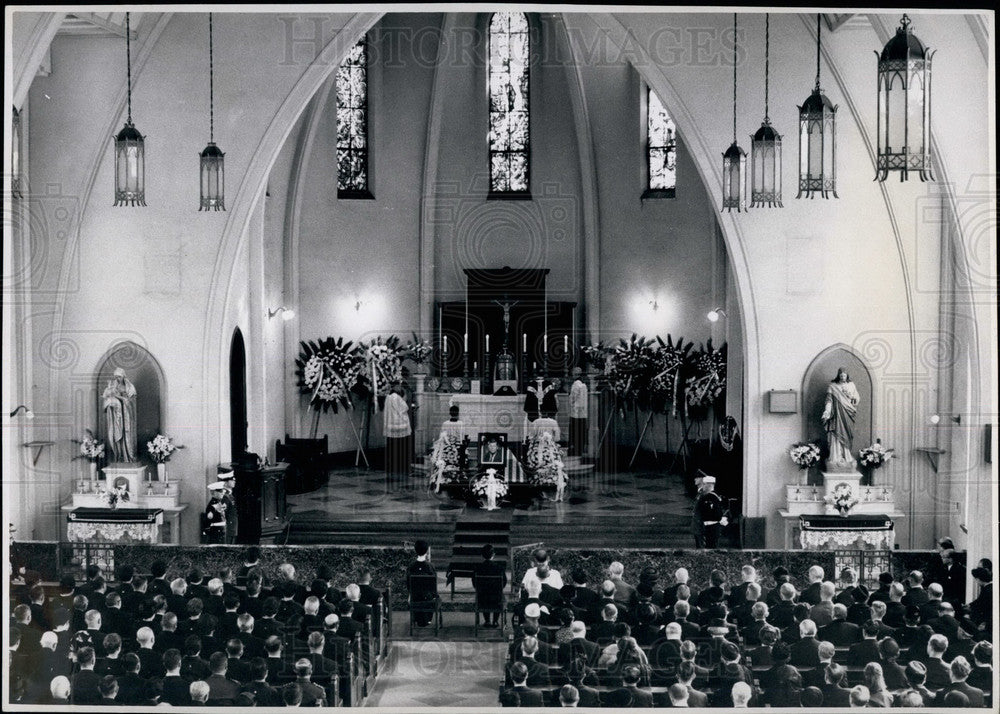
<point>578,394</point>
<point>398,433</point>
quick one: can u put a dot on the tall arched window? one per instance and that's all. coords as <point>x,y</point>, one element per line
<point>661,148</point>
<point>508,82</point>
<point>352,124</point>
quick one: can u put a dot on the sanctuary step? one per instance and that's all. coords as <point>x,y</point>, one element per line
<point>304,530</point>
<point>476,529</point>
<point>660,531</point>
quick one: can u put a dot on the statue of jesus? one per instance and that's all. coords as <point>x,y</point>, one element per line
<point>119,417</point>
<point>839,413</point>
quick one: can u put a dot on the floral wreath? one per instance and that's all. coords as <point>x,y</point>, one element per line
<point>482,485</point>
<point>544,460</point>
<point>842,498</point>
<point>328,371</point>
<point>628,369</point>
<point>707,383</point>
<point>383,365</point>
<point>447,459</point>
<point>668,364</point>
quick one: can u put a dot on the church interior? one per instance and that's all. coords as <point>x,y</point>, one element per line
<point>667,289</point>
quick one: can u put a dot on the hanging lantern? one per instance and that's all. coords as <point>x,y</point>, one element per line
<point>734,160</point>
<point>904,106</point>
<point>15,154</point>
<point>130,149</point>
<point>765,145</point>
<point>212,158</point>
<point>817,140</point>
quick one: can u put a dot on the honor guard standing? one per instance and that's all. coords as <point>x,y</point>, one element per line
<point>215,514</point>
<point>709,515</point>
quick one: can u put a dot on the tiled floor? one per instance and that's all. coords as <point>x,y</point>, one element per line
<point>362,495</point>
<point>432,673</point>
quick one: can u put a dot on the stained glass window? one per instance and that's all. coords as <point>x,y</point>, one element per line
<point>352,123</point>
<point>508,80</point>
<point>661,146</point>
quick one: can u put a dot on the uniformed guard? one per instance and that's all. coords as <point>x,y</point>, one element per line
<point>708,516</point>
<point>215,514</point>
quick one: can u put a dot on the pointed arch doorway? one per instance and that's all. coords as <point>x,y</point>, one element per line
<point>237,395</point>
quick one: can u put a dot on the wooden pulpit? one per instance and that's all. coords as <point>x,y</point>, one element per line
<point>259,494</point>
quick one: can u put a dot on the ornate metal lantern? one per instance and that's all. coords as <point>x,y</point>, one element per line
<point>212,158</point>
<point>130,147</point>
<point>817,139</point>
<point>734,160</point>
<point>904,106</point>
<point>765,145</point>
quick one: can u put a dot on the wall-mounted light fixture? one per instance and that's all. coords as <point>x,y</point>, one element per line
<point>715,313</point>
<point>935,419</point>
<point>358,304</point>
<point>286,313</point>
<point>28,414</point>
<point>654,304</point>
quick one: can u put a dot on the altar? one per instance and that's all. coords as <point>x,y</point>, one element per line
<point>478,413</point>
<point>92,532</point>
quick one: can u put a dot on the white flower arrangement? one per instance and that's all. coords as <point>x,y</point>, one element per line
<point>161,448</point>
<point>842,498</point>
<point>90,447</point>
<point>544,460</point>
<point>804,454</point>
<point>329,371</point>
<point>875,456</point>
<point>446,457</point>
<point>489,482</point>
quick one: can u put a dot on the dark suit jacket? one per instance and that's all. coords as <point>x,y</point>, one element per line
<point>915,596</point>
<point>337,649</point>
<point>697,699</point>
<point>811,594</point>
<point>222,689</point>
<point>815,677</point>
<point>324,668</point>
<point>176,691</point>
<point>938,674</point>
<point>349,627</point>
<point>631,697</point>
<point>265,627</point>
<point>194,668</point>
<point>781,614</point>
<point>172,640</point>
<point>586,600</point>
<point>861,653</point>
<point>239,670</point>
<point>665,654</point>
<point>834,696</point>
<point>859,613</point>
<point>529,697</point>
<point>252,646</point>
<point>893,673</point>
<point>84,687</point>
<point>589,697</point>
<point>370,595</point>
<point>805,653</point>
<point>975,695</point>
<point>313,695</point>
<point>265,694</point>
<point>131,689</point>
<point>840,632</point>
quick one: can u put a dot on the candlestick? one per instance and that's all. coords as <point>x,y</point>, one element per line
<point>545,343</point>
<point>444,341</point>
<point>475,367</point>
<point>487,344</point>
<point>534,366</point>
<point>465,342</point>
<point>524,342</point>
<point>566,346</point>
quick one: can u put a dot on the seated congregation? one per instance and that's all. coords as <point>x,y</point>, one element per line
<point>815,643</point>
<point>235,639</point>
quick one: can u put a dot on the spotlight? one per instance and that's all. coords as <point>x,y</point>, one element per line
<point>286,313</point>
<point>714,315</point>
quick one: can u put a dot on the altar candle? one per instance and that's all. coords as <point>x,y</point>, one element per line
<point>475,366</point>
<point>524,342</point>
<point>566,345</point>
<point>444,341</point>
<point>534,366</point>
<point>487,344</point>
<point>465,342</point>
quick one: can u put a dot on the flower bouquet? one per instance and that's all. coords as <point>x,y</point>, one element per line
<point>92,450</point>
<point>447,459</point>
<point>842,499</point>
<point>706,385</point>
<point>544,461</point>
<point>491,488</point>
<point>383,366</point>
<point>328,372</point>
<point>875,456</point>
<point>805,454</point>
<point>417,351</point>
<point>161,448</point>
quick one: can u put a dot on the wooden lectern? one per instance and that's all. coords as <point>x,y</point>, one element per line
<point>259,494</point>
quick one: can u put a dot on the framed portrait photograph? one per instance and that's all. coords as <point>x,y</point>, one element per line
<point>492,449</point>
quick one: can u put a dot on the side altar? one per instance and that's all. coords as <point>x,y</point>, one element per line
<point>126,506</point>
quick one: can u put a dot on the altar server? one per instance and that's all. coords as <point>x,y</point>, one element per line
<point>578,394</point>
<point>398,433</point>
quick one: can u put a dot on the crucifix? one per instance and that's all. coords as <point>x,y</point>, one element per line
<point>506,306</point>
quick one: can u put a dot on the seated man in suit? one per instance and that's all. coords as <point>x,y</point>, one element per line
<point>489,579</point>
<point>835,694</point>
<point>741,694</point>
<point>519,677</point>
<point>822,612</point>
<point>421,592</point>
<point>811,595</point>
<point>893,673</point>
<point>221,689</point>
<point>840,632</point>
<point>959,670</point>
<point>176,691</point>
<point>865,651</point>
<point>538,673</point>
<point>578,647</point>
<point>982,673</point>
<point>580,675</point>
<point>938,671</point>
<point>817,676</point>
<point>629,694</point>
<point>805,652</point>
<point>264,694</point>
<point>915,592</point>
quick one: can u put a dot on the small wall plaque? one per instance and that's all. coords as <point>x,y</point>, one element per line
<point>782,401</point>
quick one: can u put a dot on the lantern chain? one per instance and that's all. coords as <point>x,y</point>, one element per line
<point>819,29</point>
<point>211,84</point>
<point>128,61</point>
<point>767,64</point>
<point>735,44</point>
